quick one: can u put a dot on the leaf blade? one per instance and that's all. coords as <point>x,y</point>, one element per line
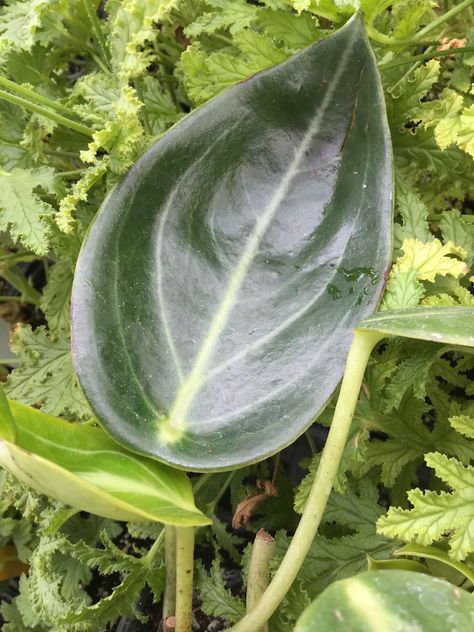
<point>84,468</point>
<point>452,325</point>
<point>263,227</point>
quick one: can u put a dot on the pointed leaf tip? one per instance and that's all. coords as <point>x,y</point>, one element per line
<point>216,292</point>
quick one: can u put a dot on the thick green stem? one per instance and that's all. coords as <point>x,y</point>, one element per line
<point>259,570</point>
<point>359,353</point>
<point>184,578</point>
<point>97,28</point>
<point>43,111</point>
<point>169,599</point>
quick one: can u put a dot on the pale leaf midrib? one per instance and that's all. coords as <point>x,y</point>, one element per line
<point>192,384</point>
<point>159,247</point>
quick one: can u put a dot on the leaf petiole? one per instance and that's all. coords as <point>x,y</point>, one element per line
<point>47,113</point>
<point>27,93</point>
<point>184,578</point>
<point>357,359</point>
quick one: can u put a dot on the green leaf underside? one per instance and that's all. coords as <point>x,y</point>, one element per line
<point>448,325</point>
<point>217,290</point>
<point>389,600</point>
<point>83,467</point>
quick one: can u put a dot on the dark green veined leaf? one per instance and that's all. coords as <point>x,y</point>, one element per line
<point>216,292</point>
<point>85,468</point>
<point>448,325</point>
<point>391,601</point>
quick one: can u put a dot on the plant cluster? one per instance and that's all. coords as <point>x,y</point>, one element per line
<point>84,91</point>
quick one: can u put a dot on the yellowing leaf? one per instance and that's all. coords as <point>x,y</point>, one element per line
<point>22,211</point>
<point>466,131</point>
<point>430,259</point>
<point>436,514</point>
<point>463,424</point>
<point>443,115</point>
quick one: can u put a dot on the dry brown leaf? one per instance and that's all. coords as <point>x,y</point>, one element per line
<point>447,43</point>
<point>246,507</point>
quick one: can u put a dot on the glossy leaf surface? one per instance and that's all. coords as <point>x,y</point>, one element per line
<point>86,469</point>
<point>216,292</point>
<point>392,601</point>
<point>448,325</point>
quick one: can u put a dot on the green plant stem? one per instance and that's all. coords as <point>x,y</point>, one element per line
<point>259,570</point>
<point>169,598</point>
<point>311,442</point>
<point>11,299</point>
<point>387,40</point>
<point>434,553</point>
<point>362,345</point>
<point>18,281</point>
<point>154,550</point>
<point>53,116</point>
<point>418,38</point>
<point>424,56</point>
<point>99,34</point>
<point>444,18</point>
<point>184,578</point>
<point>74,173</point>
<point>27,93</point>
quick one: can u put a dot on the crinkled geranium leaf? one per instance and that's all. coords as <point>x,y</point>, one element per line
<point>217,290</point>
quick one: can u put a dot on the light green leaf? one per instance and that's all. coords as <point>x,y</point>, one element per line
<point>389,600</point>
<point>415,219</point>
<point>431,258</point>
<point>404,104</point>
<point>436,515</point>
<point>466,131</point>
<point>458,231</point>
<point>451,325</point>
<point>443,115</point>
<point>22,211</point>
<point>463,424</point>
<point>294,31</point>
<point>206,75</point>
<point>233,15</point>
<point>56,296</point>
<point>20,21</point>
<point>403,290</point>
<point>45,376</point>
<point>60,460</point>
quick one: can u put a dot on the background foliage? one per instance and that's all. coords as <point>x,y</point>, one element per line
<point>122,82</point>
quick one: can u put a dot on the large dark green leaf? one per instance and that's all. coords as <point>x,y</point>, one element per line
<point>85,468</point>
<point>389,601</point>
<point>217,289</point>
